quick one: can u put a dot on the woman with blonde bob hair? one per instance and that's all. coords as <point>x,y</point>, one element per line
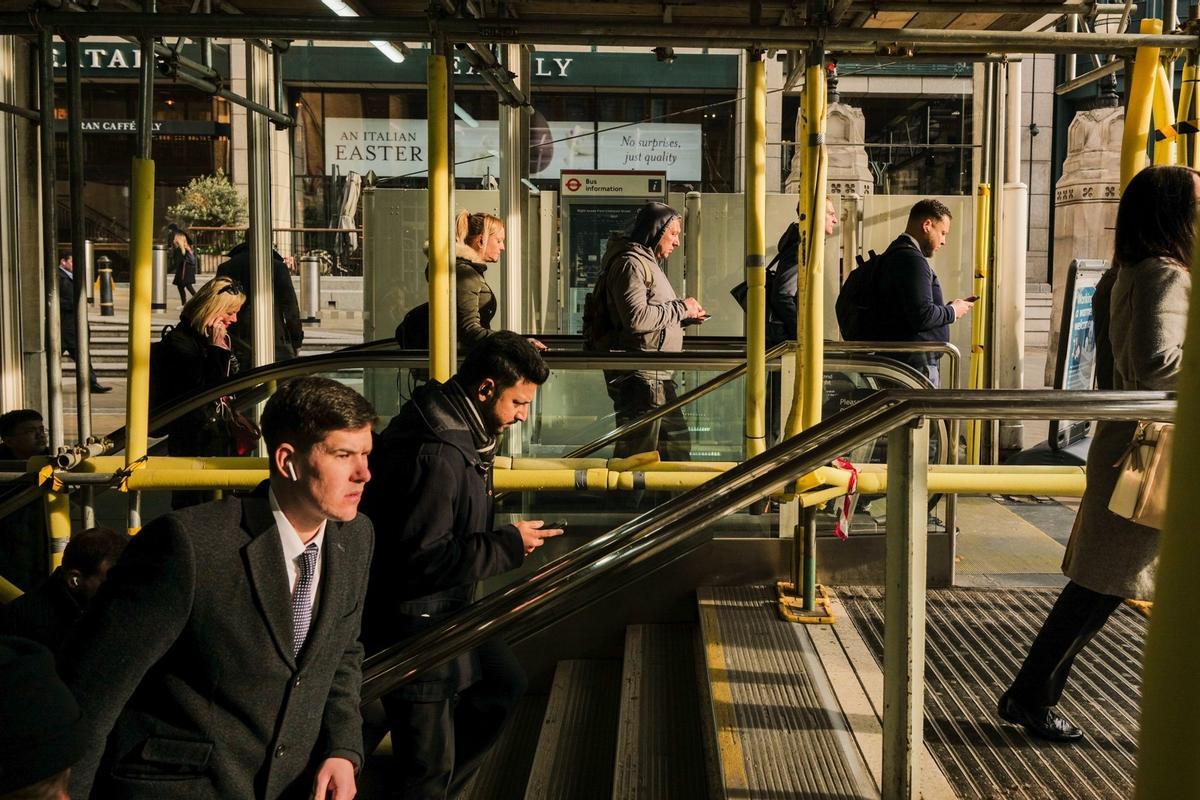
<point>192,357</point>
<point>479,241</point>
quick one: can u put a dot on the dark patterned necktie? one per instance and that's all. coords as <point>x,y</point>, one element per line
<point>302,598</point>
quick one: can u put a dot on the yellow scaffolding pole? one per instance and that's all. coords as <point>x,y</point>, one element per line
<point>8,591</point>
<point>1166,150</point>
<point>1167,766</point>
<point>441,265</point>
<point>58,523</point>
<point>1186,91</point>
<point>1141,102</point>
<point>810,296</point>
<point>755,244</point>
<point>979,320</point>
<point>141,239</point>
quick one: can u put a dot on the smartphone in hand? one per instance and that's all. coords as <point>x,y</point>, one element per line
<point>973,298</point>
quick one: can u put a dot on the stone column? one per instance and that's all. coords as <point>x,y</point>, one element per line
<point>1086,198</point>
<point>848,170</point>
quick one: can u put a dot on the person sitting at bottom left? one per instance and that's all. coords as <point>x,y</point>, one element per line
<point>221,658</point>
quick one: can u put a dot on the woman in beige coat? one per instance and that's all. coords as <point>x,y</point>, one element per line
<point>1108,557</point>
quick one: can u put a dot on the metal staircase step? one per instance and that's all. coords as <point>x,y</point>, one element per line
<point>780,731</point>
<point>505,770</point>
<point>660,740</point>
<point>574,759</point>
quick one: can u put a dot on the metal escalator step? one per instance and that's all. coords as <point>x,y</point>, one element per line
<point>505,770</point>
<point>660,740</point>
<point>976,640</point>
<point>780,731</point>
<point>574,759</point>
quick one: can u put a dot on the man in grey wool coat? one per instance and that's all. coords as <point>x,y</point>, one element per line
<point>221,659</point>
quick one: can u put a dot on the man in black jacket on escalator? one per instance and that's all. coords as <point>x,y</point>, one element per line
<point>431,496</point>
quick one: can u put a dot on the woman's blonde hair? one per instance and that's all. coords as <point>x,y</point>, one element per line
<point>468,226</point>
<point>186,244</point>
<point>219,296</point>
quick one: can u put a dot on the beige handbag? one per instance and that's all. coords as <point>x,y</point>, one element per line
<point>1145,469</point>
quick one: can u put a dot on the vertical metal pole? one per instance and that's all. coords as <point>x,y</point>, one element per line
<point>50,239</point>
<point>441,265</point>
<point>83,376</point>
<point>755,246</point>
<point>141,240</point>
<point>514,166</point>
<point>998,252</point>
<point>12,383</point>
<point>692,252</point>
<point>1167,765</point>
<point>904,611</point>
<point>1072,27</point>
<point>812,260</point>
<point>258,156</point>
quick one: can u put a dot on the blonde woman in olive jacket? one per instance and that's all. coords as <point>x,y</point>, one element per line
<point>478,241</point>
<point>1108,557</point>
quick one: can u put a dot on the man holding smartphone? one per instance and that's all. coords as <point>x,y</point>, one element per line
<point>915,310</point>
<point>431,494</point>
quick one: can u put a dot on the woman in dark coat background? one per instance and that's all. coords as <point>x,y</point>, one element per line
<point>194,355</point>
<point>183,259</point>
<point>1108,557</point>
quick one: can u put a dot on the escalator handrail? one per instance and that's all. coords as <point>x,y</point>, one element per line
<point>650,541</point>
<point>255,380</point>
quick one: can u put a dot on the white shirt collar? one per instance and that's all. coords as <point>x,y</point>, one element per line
<point>292,545</point>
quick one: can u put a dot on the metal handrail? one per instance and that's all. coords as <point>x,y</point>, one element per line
<point>654,539</point>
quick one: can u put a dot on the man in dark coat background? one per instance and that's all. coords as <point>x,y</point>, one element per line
<point>289,332</point>
<point>221,658</point>
<point>912,308</point>
<point>68,325</point>
<point>432,499</point>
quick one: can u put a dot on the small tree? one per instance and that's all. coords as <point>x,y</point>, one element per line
<point>210,200</point>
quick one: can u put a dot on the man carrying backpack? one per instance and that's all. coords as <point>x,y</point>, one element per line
<point>900,293</point>
<point>634,308</point>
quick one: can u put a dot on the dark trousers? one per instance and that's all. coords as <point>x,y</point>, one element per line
<point>184,291</point>
<point>71,346</point>
<point>633,396</point>
<point>437,746</point>
<point>1077,616</point>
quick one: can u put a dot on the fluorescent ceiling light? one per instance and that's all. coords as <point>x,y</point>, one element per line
<point>343,9</point>
<point>461,113</point>
<point>389,50</point>
<point>340,8</point>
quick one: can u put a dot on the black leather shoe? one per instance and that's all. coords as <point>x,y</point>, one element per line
<point>1044,723</point>
<point>100,389</point>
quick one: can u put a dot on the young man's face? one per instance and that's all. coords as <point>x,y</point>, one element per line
<point>504,408</point>
<point>28,439</point>
<point>333,472</point>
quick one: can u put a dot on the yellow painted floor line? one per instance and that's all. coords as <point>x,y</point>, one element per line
<point>993,539</point>
<point>729,744</point>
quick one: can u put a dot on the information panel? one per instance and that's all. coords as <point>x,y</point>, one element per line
<point>1076,365</point>
<point>594,205</point>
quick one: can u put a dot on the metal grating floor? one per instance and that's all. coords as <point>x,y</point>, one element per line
<point>976,640</point>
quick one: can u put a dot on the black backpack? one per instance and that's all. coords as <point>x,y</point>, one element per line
<point>599,329</point>
<point>857,307</point>
<point>413,331</point>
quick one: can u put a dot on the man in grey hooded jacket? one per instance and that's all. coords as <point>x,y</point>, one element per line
<point>648,317</point>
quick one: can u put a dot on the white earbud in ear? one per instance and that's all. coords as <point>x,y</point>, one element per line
<point>292,471</point>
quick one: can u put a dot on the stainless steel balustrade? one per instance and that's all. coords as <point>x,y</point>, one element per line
<point>653,540</point>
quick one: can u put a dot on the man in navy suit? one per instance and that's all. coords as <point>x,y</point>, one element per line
<point>221,658</point>
<point>915,310</point>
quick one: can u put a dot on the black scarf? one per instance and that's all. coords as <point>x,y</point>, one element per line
<point>485,442</point>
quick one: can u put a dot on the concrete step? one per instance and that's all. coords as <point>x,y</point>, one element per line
<point>661,736</point>
<point>574,758</point>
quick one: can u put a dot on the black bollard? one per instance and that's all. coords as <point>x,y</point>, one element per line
<point>104,271</point>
